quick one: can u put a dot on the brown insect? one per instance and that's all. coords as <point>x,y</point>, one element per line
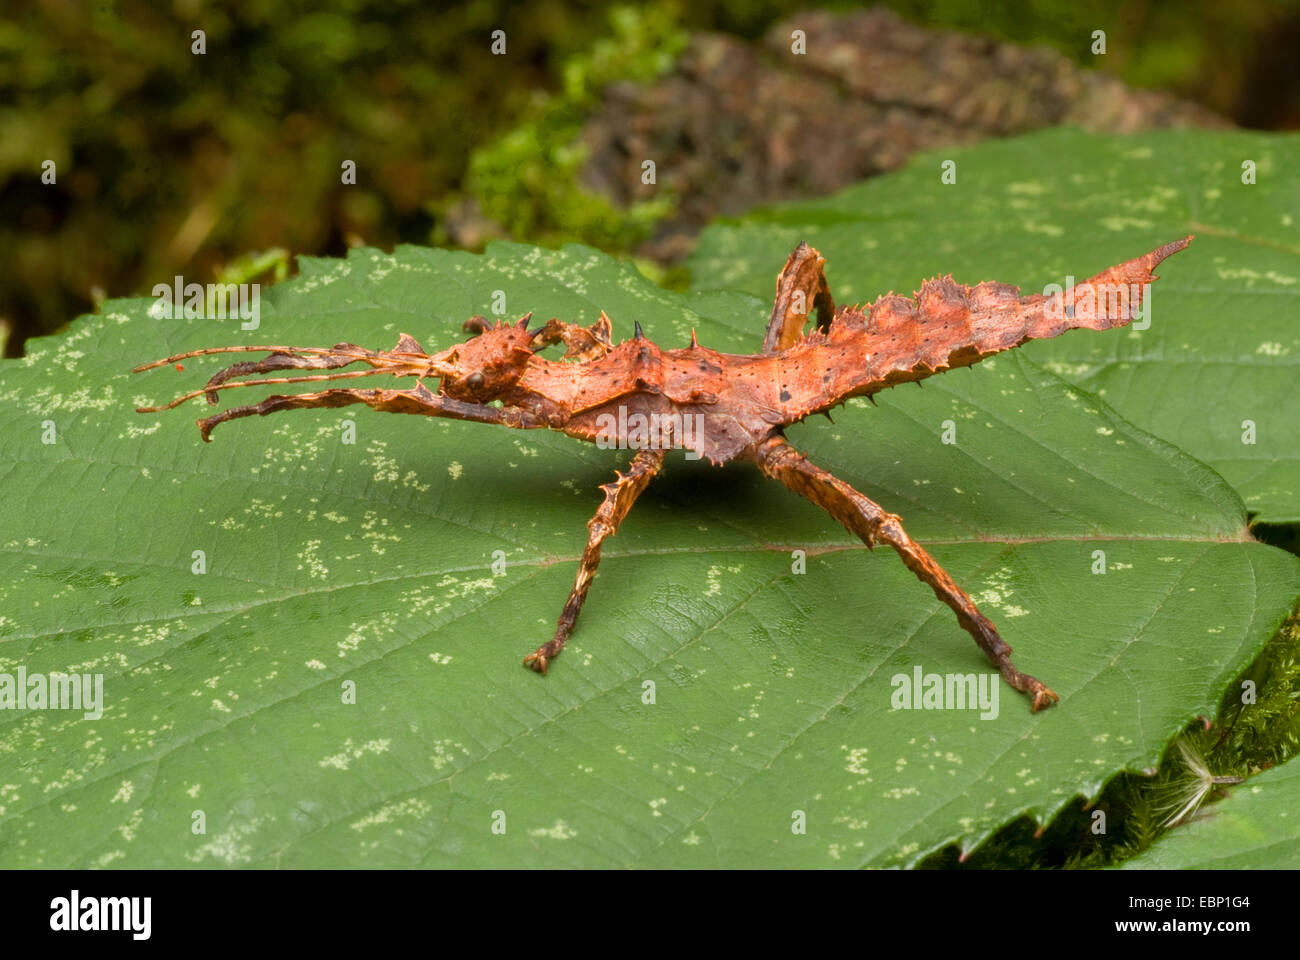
<point>639,396</point>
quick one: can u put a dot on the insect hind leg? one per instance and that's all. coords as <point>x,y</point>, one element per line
<point>863,516</point>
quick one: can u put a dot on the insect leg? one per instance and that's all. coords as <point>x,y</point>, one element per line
<point>582,343</point>
<point>799,286</point>
<point>419,400</point>
<point>863,516</point>
<point>619,497</point>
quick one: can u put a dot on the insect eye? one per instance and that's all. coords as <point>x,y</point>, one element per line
<point>474,380</point>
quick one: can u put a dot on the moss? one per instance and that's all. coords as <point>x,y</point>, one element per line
<point>527,180</point>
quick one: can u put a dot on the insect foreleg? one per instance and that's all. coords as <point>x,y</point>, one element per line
<point>619,497</point>
<point>418,401</point>
<point>866,518</point>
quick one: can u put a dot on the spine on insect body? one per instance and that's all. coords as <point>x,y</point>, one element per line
<point>946,324</point>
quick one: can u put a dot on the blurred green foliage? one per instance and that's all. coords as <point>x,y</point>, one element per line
<point>171,162</point>
<point>168,161</point>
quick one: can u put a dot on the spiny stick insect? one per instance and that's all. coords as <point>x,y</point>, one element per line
<point>744,402</point>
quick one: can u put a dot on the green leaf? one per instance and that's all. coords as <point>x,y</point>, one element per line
<point>1223,346</point>
<point>371,563</point>
<point>1256,827</point>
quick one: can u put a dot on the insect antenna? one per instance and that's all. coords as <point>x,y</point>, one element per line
<point>209,350</point>
<point>395,363</point>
